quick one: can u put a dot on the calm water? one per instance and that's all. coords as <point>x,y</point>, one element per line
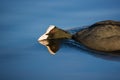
<point>23,58</point>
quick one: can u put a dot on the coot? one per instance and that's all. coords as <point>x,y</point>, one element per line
<point>101,36</point>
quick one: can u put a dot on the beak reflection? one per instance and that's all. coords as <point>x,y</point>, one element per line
<point>52,45</point>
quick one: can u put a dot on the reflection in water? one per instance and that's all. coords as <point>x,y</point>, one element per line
<point>115,56</point>
<point>52,45</point>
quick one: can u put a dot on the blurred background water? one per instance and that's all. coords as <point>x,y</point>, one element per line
<point>23,58</point>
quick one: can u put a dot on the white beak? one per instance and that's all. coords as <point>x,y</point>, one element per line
<point>45,36</point>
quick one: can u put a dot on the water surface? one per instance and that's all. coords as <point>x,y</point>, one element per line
<point>23,58</point>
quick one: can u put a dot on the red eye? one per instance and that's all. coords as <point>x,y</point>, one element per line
<point>52,31</point>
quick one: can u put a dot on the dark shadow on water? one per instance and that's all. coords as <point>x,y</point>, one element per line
<point>114,56</point>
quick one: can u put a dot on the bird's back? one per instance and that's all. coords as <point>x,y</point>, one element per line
<point>102,36</point>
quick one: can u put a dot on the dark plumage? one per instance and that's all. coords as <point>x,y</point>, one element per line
<point>102,36</point>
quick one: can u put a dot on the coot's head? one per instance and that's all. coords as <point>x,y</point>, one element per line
<point>55,33</point>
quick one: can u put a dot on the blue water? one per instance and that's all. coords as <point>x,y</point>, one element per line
<point>23,58</point>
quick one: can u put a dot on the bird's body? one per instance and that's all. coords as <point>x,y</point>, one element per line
<point>102,36</point>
